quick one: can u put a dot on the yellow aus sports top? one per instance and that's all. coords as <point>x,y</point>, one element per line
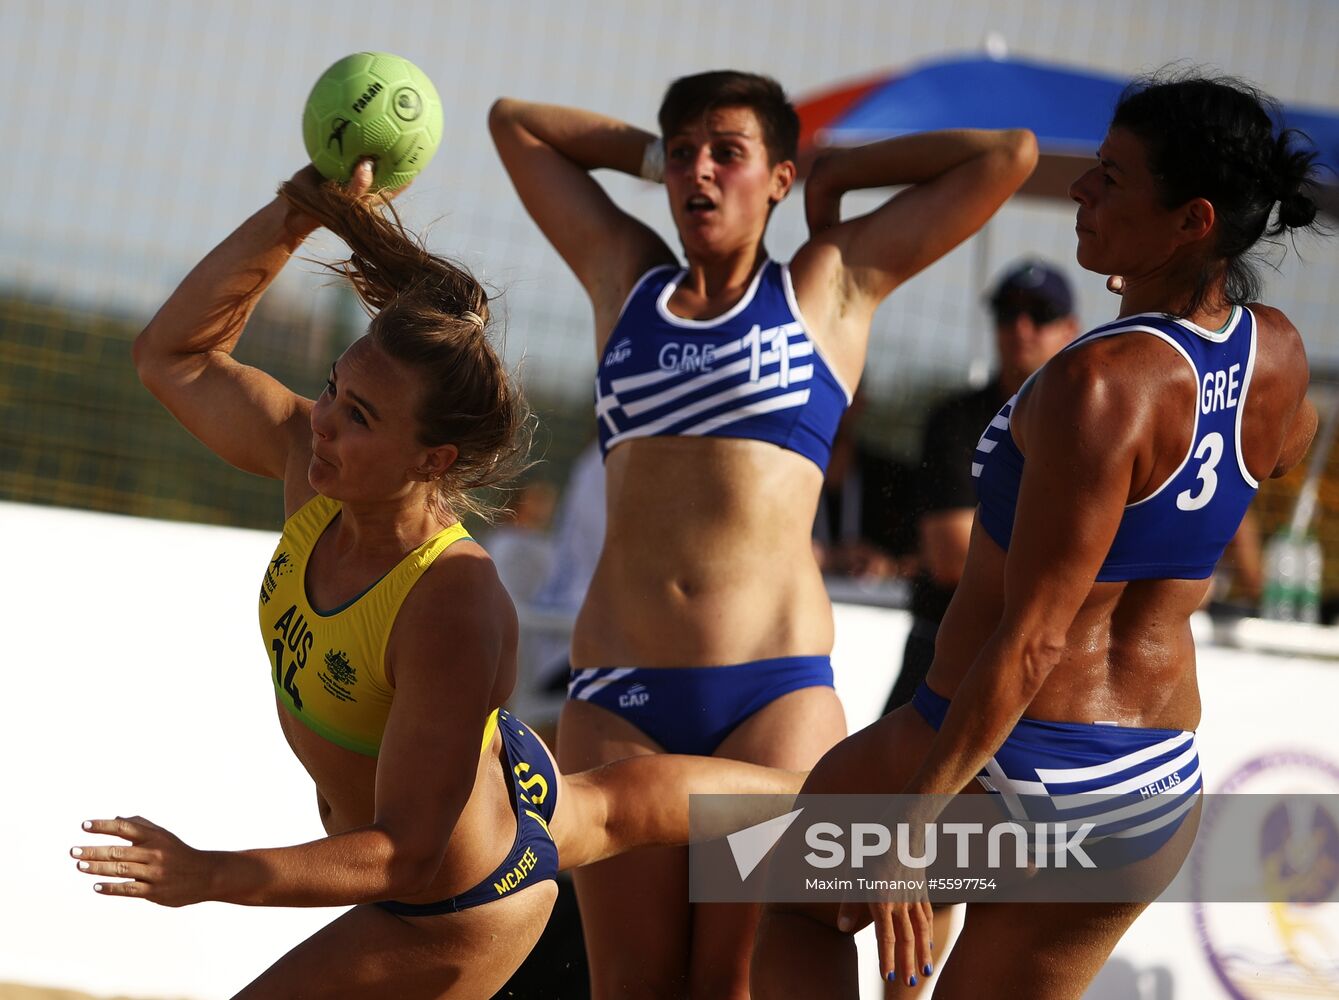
<point>329,668</point>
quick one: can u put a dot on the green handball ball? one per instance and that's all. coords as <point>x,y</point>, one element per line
<point>373,104</point>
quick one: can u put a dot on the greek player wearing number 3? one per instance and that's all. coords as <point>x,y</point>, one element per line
<point>1107,488</point>
<point>391,644</point>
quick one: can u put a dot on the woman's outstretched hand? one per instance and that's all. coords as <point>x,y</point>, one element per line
<point>158,865</point>
<point>903,930</point>
<point>902,916</point>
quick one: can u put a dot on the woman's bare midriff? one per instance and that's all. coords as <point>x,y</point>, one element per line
<point>346,799</point>
<point>707,558</point>
<point>1129,656</point>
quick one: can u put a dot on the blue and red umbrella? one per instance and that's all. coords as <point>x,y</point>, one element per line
<point>1067,107</point>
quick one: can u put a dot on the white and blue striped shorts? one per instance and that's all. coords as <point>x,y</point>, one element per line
<point>1135,786</point>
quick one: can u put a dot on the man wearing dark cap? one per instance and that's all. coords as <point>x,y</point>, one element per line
<point>1033,311</point>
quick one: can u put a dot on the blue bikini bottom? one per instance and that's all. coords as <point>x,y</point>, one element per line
<point>691,710</point>
<point>533,857</point>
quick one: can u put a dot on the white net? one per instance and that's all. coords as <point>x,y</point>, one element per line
<point>142,132</point>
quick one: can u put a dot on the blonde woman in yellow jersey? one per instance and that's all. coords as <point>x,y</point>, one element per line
<point>390,643</point>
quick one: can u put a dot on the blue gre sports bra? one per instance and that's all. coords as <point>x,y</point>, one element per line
<point>753,372</point>
<point>1180,530</point>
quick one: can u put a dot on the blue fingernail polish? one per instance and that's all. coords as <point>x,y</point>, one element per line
<point>892,976</point>
<point>929,968</point>
<point>911,981</point>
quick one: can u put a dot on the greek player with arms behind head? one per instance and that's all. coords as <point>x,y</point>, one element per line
<point>720,385</point>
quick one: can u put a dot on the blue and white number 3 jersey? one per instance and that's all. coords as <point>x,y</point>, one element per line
<point>753,372</point>
<point>1180,530</point>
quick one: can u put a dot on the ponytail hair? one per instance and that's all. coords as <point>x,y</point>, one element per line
<point>1214,138</point>
<point>1295,190</point>
<point>431,314</point>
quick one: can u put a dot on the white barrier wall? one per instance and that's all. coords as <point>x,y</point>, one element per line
<point>135,683</point>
